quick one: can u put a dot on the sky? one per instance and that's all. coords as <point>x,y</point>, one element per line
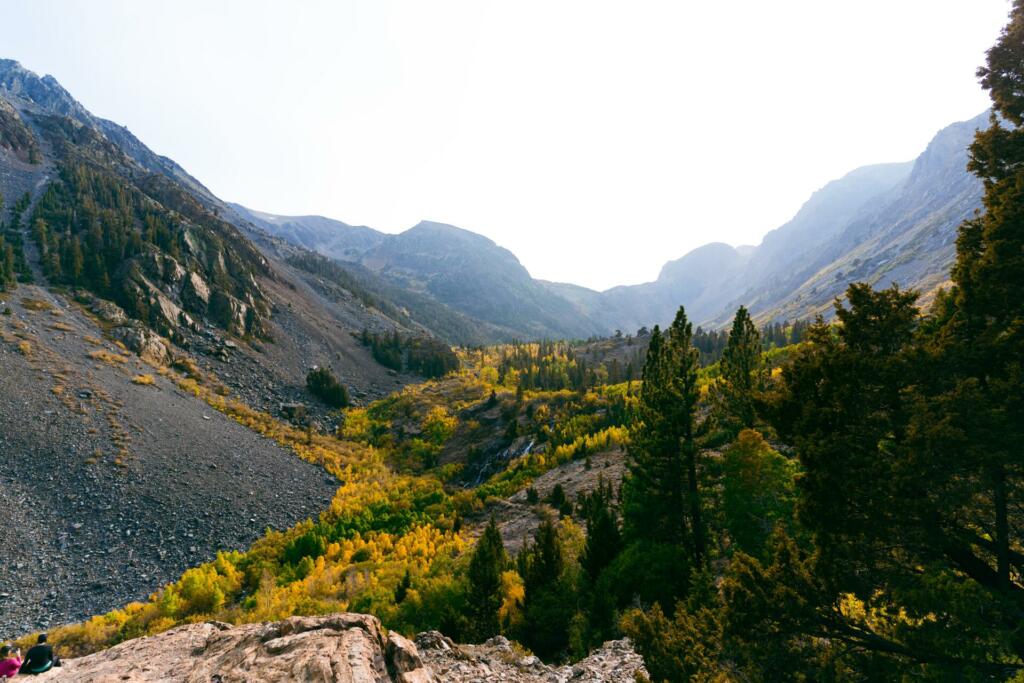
<point>595,140</point>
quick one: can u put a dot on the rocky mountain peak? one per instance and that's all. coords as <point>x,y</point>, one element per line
<point>44,92</point>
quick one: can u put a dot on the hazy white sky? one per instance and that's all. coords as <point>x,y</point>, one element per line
<point>596,140</point>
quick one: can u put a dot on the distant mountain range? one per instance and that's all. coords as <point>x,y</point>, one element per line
<point>880,224</point>
<point>883,223</point>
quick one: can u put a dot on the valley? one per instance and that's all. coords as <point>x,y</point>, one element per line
<point>235,444</point>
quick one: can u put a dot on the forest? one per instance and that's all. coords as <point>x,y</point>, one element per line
<point>825,501</point>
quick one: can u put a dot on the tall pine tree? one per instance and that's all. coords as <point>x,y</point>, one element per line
<point>661,495</point>
<point>742,369</point>
<point>485,567</point>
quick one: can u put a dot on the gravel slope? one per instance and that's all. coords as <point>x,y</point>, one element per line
<point>109,489</point>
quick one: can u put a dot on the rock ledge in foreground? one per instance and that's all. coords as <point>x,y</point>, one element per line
<point>338,648</point>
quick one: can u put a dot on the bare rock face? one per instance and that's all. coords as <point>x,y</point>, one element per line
<point>341,648</point>
<point>195,293</point>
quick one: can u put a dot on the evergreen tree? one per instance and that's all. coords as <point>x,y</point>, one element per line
<point>742,368</point>
<point>653,492</point>
<point>402,589</point>
<point>322,383</point>
<point>602,547</point>
<point>548,605</point>
<point>682,417</point>
<point>983,338</point>
<point>906,456</point>
<point>661,496</point>
<point>603,538</point>
<point>484,576</point>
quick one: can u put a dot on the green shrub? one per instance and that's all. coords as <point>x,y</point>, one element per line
<point>325,386</point>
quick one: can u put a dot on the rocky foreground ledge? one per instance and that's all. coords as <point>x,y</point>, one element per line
<point>343,648</point>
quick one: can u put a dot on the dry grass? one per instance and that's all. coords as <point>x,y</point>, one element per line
<point>108,357</point>
<point>35,305</point>
<point>93,340</point>
<point>57,389</point>
<point>25,348</point>
<point>144,380</point>
<point>63,327</point>
<point>187,366</point>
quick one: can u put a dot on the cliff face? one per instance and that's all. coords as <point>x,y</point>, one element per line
<point>343,648</point>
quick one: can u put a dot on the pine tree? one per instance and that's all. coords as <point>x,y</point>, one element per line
<point>484,575</point>
<point>402,589</point>
<point>548,605</point>
<point>604,542</point>
<point>742,368</point>
<point>662,506</point>
<point>686,360</point>
<point>653,497</point>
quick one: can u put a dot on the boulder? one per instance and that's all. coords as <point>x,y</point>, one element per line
<point>108,311</point>
<point>404,661</point>
<point>147,344</point>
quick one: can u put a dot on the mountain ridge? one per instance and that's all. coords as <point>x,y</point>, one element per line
<point>778,279</point>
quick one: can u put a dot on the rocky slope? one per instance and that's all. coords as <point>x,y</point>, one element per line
<point>339,648</point>
<point>114,480</point>
<point>171,254</point>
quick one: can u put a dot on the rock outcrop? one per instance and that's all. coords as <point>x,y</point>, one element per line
<point>498,660</point>
<point>346,648</point>
<point>147,344</point>
<point>342,648</point>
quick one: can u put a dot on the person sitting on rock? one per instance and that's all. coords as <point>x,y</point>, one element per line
<point>10,662</point>
<point>39,658</point>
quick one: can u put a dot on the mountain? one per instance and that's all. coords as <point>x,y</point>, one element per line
<point>325,235</point>
<point>905,235</point>
<point>115,220</point>
<point>883,223</point>
<point>462,270</point>
<point>128,286</point>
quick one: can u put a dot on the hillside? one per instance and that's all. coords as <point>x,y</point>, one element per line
<point>109,216</point>
<point>127,283</point>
